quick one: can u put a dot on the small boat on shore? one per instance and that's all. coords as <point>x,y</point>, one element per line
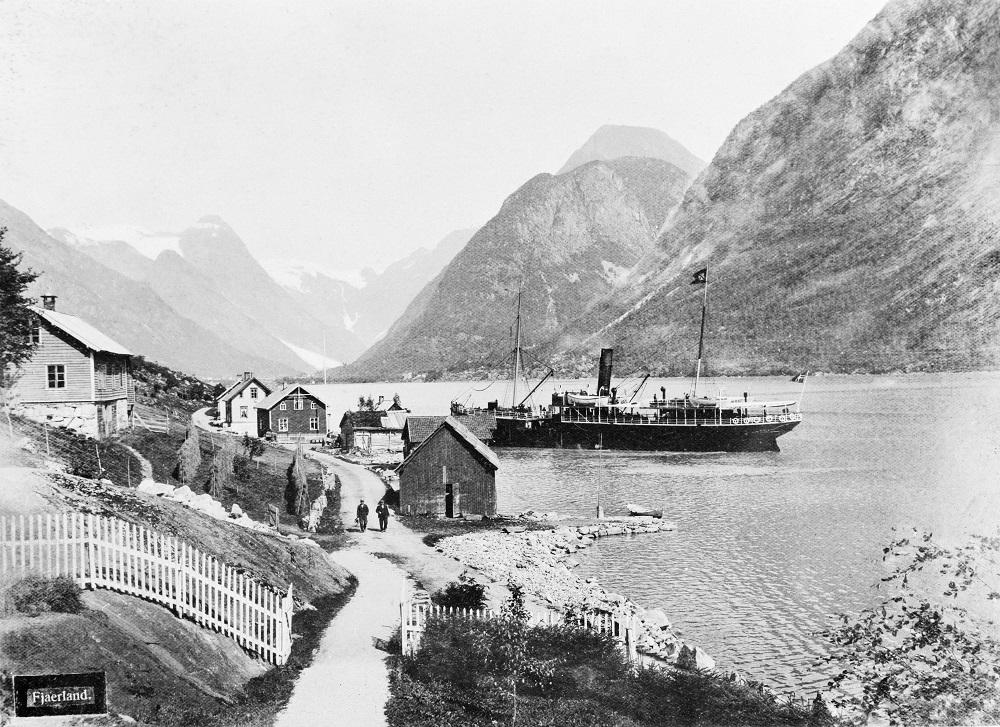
<point>642,510</point>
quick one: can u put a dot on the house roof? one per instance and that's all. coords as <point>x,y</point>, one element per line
<point>82,331</point>
<point>364,419</point>
<point>482,424</point>
<point>277,397</point>
<point>241,385</point>
<point>460,431</point>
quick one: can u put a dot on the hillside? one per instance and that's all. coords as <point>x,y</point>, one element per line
<point>127,310</point>
<point>615,142</point>
<point>566,240</point>
<point>851,223</point>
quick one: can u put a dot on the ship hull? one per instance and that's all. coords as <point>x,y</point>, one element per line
<point>703,437</point>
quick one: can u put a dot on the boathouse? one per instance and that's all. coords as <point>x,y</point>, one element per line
<point>450,473</point>
<point>77,377</point>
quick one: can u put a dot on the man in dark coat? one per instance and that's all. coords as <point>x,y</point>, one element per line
<point>362,518</point>
<point>382,510</point>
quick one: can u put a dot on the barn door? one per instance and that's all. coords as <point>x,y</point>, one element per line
<point>449,500</point>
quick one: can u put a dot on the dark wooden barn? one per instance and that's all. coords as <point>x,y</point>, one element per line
<point>451,473</point>
<point>294,414</point>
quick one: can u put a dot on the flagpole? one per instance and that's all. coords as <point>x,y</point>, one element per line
<point>802,393</point>
<point>701,336</point>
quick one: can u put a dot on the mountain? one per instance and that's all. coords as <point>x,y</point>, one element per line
<point>215,251</point>
<point>615,142</point>
<point>851,223</point>
<point>118,255</point>
<point>368,309</point>
<point>566,240</point>
<point>127,310</point>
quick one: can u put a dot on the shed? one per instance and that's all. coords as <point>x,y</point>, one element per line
<point>451,473</point>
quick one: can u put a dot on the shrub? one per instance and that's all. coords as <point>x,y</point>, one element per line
<point>241,467</point>
<point>458,594</point>
<point>34,595</point>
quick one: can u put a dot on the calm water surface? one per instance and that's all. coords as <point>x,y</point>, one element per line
<point>770,545</point>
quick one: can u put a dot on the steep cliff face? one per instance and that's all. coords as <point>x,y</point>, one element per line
<point>851,223</point>
<point>564,240</point>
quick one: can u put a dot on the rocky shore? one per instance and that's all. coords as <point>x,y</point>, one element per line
<point>541,562</point>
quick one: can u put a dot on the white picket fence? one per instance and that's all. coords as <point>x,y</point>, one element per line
<point>105,552</point>
<point>414,613</point>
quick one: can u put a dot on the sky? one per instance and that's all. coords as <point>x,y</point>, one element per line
<point>348,134</point>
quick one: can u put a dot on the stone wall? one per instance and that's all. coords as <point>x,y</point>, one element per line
<point>80,417</point>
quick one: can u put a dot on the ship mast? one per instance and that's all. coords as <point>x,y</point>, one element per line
<point>517,350</point>
<point>701,277</point>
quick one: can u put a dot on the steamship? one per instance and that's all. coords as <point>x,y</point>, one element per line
<point>603,420</point>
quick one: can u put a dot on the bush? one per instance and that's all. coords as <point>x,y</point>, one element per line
<point>461,595</point>
<point>34,595</point>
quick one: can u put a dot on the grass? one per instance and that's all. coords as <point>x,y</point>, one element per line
<point>464,674</point>
<point>34,595</point>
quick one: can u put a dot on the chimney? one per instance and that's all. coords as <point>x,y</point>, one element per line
<point>604,373</point>
<point>49,302</point>
<point>247,375</point>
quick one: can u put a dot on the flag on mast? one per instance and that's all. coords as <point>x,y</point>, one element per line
<point>800,378</point>
<point>700,277</point>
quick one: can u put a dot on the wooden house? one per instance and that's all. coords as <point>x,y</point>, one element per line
<point>450,473</point>
<point>418,428</point>
<point>238,404</point>
<point>77,376</point>
<point>292,414</point>
<point>373,431</point>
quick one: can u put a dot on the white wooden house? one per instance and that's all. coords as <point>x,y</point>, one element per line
<point>238,404</point>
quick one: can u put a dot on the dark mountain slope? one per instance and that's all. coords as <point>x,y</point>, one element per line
<point>852,223</point>
<point>566,240</point>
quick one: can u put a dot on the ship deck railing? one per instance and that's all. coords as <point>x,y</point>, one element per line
<point>571,416</point>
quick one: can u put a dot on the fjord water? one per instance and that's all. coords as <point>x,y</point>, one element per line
<point>769,546</point>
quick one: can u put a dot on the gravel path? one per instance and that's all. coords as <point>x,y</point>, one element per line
<point>348,682</point>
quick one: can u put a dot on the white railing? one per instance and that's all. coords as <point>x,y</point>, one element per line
<point>413,616</point>
<point>105,552</point>
<point>570,417</point>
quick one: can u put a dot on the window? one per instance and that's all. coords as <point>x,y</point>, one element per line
<point>298,402</point>
<point>253,392</point>
<point>313,424</point>
<point>282,425</point>
<point>34,330</point>
<point>283,406</point>
<point>312,405</point>
<point>243,412</point>
<point>57,376</point>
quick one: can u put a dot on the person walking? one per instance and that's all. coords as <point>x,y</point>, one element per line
<point>362,518</point>
<point>382,510</point>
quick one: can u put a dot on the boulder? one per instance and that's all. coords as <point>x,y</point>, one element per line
<point>656,618</point>
<point>182,494</point>
<point>152,487</point>
<point>236,511</point>
<point>694,658</point>
<point>27,445</point>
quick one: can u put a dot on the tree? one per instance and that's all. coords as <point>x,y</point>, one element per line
<point>513,657</point>
<point>16,317</point>
<point>252,446</point>
<point>189,456</point>
<point>220,475</point>
<point>915,657</point>
<point>297,490</point>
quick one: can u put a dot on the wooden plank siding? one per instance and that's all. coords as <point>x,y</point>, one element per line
<point>55,347</point>
<point>445,459</point>
<point>110,376</point>
<point>298,419</point>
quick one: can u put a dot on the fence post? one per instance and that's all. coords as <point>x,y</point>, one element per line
<point>402,623</point>
<point>100,469</point>
<point>48,450</point>
<point>89,540</point>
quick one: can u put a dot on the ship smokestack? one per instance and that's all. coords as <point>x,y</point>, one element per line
<point>604,372</point>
